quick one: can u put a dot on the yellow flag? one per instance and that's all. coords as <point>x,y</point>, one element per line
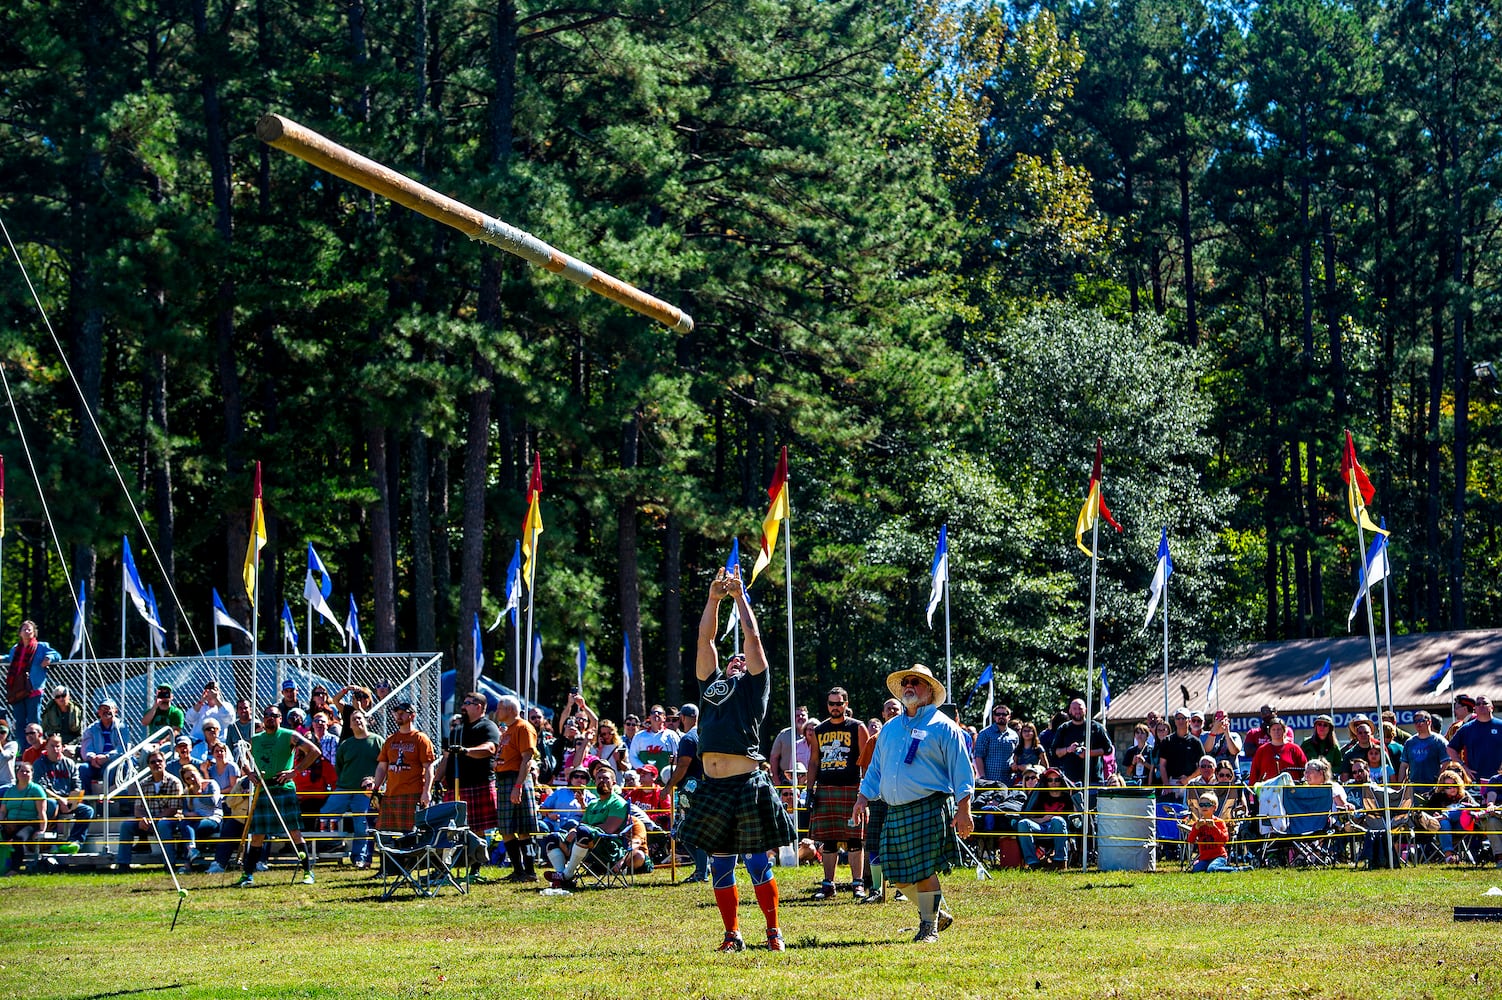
<point>778,492</point>
<point>257,540</point>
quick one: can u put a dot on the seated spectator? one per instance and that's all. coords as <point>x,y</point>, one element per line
<point>23,815</point>
<point>58,777</point>
<point>1208,834</point>
<point>1227,789</point>
<point>222,771</point>
<point>32,749</point>
<point>640,787</point>
<point>564,806</point>
<point>1203,776</point>
<point>1053,808</point>
<point>182,755</point>
<point>63,716</point>
<point>319,701</point>
<point>1317,772</point>
<point>1449,802</point>
<point>103,742</point>
<point>635,840</point>
<point>203,814</point>
<point>204,752</point>
<point>1490,816</point>
<point>10,753</point>
<point>158,802</point>
<point>597,832</point>
<point>297,719</point>
<point>1276,755</point>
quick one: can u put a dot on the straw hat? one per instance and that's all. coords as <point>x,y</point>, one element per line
<point>894,681</point>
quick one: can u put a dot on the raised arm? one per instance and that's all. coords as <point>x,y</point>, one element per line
<point>707,661</point>
<point>756,657</point>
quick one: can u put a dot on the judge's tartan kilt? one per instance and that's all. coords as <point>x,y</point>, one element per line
<point>263,822</point>
<point>397,812</point>
<point>740,814</point>
<point>518,820</point>
<point>918,840</point>
<point>481,814</point>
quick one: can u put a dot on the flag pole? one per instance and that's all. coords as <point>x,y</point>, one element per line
<point>948,663</point>
<point>1371,634</point>
<point>516,649</point>
<point>124,589</point>
<point>1090,689</point>
<point>787,541</point>
<point>1165,649</point>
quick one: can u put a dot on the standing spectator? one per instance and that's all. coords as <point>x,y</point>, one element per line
<point>23,815</point>
<point>1136,762</point>
<point>736,811</point>
<point>35,743</point>
<point>1029,751</point>
<point>1055,721</point>
<point>996,747</point>
<point>162,712</point>
<point>1178,756</point>
<point>319,701</point>
<point>656,743</point>
<point>182,755</point>
<point>162,808</point>
<point>289,702</point>
<point>467,766</point>
<point>833,783</point>
<point>1478,744</point>
<point>1259,734</point>
<point>1422,754</point>
<point>1324,745</point>
<point>1068,752</point>
<point>277,753</point>
<point>922,771</point>
<point>103,743</point>
<point>26,674</point>
<point>64,716</point>
<point>355,761</point>
<point>243,728</point>
<point>688,771</point>
<point>321,734</point>
<point>404,768</point>
<point>1464,707</point>
<point>516,803</point>
<point>608,746</point>
<point>1220,740</point>
<point>209,708</point>
<point>57,776</point>
<point>785,750</point>
<point>359,701</point>
<point>1276,755</point>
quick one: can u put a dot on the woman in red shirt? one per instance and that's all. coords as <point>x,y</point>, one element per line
<point>1277,755</point>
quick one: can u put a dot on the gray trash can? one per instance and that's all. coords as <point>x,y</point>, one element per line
<point>1126,830</point>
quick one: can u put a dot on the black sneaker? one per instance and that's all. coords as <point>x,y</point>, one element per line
<point>732,942</point>
<point>926,933</point>
<point>825,891</point>
<point>943,921</point>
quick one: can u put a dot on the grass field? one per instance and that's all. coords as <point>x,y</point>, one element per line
<point>1276,933</point>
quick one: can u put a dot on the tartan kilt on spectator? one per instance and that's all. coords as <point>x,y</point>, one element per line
<point>874,823</point>
<point>918,840</point>
<point>737,815</point>
<point>481,802</point>
<point>514,820</point>
<point>606,848</point>
<point>833,805</point>
<point>398,812</point>
<point>263,821</point>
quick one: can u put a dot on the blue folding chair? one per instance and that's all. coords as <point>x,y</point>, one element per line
<point>1310,823</point>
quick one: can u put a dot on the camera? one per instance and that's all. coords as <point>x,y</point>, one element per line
<point>454,748</point>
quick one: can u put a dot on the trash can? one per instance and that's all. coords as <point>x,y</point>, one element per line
<point>1124,827</point>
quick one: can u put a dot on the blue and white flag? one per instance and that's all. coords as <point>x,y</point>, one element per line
<point>536,662</point>
<point>626,667</point>
<point>352,626</point>
<point>133,585</point>
<point>1213,688</point>
<point>1443,679</point>
<point>479,650</point>
<point>980,682</point>
<point>513,589</point>
<point>317,587</point>
<point>1160,578</point>
<point>1322,674</point>
<point>221,615</point>
<point>158,633</point>
<point>1372,573</point>
<point>733,568</point>
<point>583,664</point>
<point>939,571</point>
<point>1105,690</point>
<point>289,627</point>
<point>78,620</point>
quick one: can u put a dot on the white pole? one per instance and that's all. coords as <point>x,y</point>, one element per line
<point>1089,690</point>
<point>948,663</point>
<point>123,592</point>
<point>1165,649</point>
<point>1371,634</point>
<point>787,542</point>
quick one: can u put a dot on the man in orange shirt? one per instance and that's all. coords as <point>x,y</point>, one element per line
<point>406,767</point>
<point>516,802</point>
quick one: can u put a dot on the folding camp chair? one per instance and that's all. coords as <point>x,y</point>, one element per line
<point>604,866</point>
<point>423,860</point>
<point>1170,831</point>
<point>1310,825</point>
<point>1373,805</point>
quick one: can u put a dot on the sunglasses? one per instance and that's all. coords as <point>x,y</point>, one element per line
<point>911,681</point>
<point>836,704</point>
<point>472,701</point>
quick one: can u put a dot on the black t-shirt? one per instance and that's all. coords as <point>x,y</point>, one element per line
<point>1073,765</point>
<point>688,747</point>
<point>1182,754</point>
<point>731,713</point>
<point>839,748</point>
<point>477,770</point>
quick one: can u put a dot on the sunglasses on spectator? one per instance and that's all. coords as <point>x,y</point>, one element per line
<point>472,701</point>
<point>836,704</point>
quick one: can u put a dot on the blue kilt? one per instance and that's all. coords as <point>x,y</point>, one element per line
<point>918,840</point>
<point>519,820</point>
<point>737,815</point>
<point>263,821</point>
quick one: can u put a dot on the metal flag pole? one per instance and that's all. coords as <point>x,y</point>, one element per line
<point>1165,648</point>
<point>948,663</point>
<point>1371,634</point>
<point>1089,689</point>
<point>307,145</point>
<point>787,541</point>
<point>123,591</point>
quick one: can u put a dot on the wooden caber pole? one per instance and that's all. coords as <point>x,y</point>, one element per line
<point>325,154</point>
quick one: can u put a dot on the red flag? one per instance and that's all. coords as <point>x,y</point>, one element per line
<point>1095,501</point>
<point>778,493</point>
<point>1349,467</point>
<point>532,525</point>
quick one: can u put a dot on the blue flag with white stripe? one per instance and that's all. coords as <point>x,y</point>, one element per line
<point>939,571</point>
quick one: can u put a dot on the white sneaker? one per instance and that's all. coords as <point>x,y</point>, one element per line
<point>261,866</point>
<point>216,869</point>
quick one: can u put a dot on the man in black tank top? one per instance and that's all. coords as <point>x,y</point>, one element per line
<point>833,782</point>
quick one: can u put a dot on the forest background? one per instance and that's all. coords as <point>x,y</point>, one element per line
<point>933,248</point>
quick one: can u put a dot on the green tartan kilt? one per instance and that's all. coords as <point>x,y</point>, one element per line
<point>741,814</point>
<point>918,840</point>
<point>263,822</point>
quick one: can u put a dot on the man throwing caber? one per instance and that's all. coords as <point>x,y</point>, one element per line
<point>736,809</point>
<point>922,770</point>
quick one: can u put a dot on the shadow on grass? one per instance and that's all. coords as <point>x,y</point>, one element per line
<point>127,993</point>
<point>1103,885</point>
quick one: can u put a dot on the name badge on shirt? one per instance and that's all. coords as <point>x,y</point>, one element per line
<point>919,735</point>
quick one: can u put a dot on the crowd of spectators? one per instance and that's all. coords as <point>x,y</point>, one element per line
<point>1036,781</point>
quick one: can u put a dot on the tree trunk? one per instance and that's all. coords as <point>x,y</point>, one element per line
<point>672,614</point>
<point>1462,442</point>
<point>162,487</point>
<point>422,547</point>
<point>383,567</point>
<point>630,583</point>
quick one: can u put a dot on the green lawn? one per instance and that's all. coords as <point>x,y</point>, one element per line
<point>1275,933</point>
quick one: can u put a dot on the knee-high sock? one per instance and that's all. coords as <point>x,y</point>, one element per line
<point>873,877</point>
<point>252,857</point>
<point>928,904</point>
<point>760,870</point>
<point>514,852</point>
<point>722,871</point>
<point>575,859</point>
<point>555,855</point>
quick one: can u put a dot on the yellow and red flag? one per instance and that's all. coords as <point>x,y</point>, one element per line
<point>532,526</point>
<point>257,540</point>
<point>1359,489</point>
<point>778,492</point>
<point>1095,505</point>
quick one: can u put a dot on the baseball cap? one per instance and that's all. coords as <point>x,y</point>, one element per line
<point>183,741</point>
<point>289,685</point>
<point>403,706</point>
<point>59,691</point>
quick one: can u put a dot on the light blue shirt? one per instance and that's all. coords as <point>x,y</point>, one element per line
<point>940,762</point>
